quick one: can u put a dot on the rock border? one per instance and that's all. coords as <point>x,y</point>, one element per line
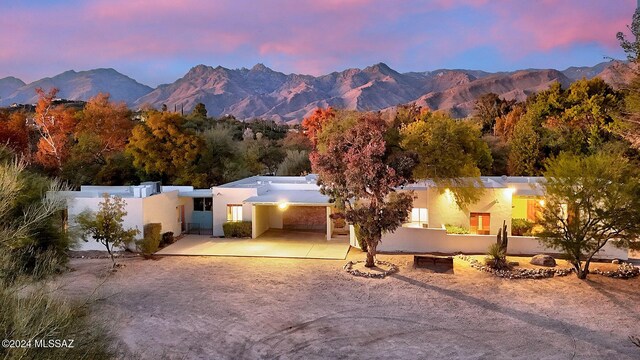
<point>393,268</point>
<point>625,271</point>
<point>517,273</point>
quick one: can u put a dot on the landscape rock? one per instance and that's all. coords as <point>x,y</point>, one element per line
<point>543,260</point>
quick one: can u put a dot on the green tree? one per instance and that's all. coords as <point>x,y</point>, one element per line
<point>525,155</point>
<point>630,115</point>
<point>296,163</point>
<point>105,226</point>
<point>220,155</point>
<point>161,147</point>
<point>590,201</point>
<point>356,170</point>
<point>450,152</point>
<point>200,110</point>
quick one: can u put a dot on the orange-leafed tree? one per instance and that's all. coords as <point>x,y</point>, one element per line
<point>163,148</point>
<point>313,124</point>
<point>110,122</point>
<point>55,125</point>
<point>14,132</point>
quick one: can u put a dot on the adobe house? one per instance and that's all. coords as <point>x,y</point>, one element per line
<point>293,205</point>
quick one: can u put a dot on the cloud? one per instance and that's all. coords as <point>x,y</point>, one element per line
<point>306,36</point>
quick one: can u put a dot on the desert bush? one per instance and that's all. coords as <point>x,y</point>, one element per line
<point>237,229</point>
<point>31,223</point>
<point>35,314</point>
<point>521,227</point>
<point>150,241</point>
<point>454,229</point>
<point>496,257</point>
<point>167,238</point>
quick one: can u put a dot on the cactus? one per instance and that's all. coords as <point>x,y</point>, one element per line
<point>505,236</point>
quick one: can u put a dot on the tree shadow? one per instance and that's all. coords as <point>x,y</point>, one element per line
<point>601,288</point>
<point>558,326</point>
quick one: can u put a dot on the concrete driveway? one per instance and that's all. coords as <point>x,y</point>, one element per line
<point>273,243</point>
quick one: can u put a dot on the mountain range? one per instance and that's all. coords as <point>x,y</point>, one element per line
<point>261,92</point>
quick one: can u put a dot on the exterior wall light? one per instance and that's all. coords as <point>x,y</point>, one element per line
<point>283,205</point>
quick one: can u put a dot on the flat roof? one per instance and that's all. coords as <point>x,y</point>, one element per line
<point>291,197</point>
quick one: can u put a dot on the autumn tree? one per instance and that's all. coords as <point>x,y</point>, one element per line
<point>450,152</point>
<point>313,123</point>
<point>110,122</point>
<point>489,107</point>
<point>14,132</point>
<point>506,124</point>
<point>55,125</point>
<point>356,171</point>
<point>590,201</point>
<point>161,147</point>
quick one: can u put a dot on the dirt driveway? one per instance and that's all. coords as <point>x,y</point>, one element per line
<point>248,308</point>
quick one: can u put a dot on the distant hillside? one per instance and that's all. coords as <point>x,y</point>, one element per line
<point>8,85</point>
<point>265,93</point>
<point>81,86</point>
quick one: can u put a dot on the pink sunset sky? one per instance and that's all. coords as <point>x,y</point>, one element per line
<point>158,41</point>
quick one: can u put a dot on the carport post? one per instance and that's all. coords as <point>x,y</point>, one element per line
<point>329,223</point>
<point>254,230</point>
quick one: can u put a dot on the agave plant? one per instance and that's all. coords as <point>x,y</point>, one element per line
<point>496,258</point>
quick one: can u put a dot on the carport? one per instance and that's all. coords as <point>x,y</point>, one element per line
<point>291,213</point>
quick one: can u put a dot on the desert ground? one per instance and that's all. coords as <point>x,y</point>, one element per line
<point>251,308</point>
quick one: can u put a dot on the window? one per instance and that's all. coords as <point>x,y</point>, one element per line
<point>419,216</point>
<point>234,212</point>
<point>480,223</point>
<point>202,204</point>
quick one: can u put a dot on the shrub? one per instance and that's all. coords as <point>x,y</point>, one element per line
<point>150,243</point>
<point>237,229</point>
<point>37,314</point>
<point>496,258</point>
<point>167,238</point>
<point>521,227</point>
<point>454,229</point>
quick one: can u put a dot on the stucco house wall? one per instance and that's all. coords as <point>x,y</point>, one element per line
<point>223,196</point>
<point>162,208</point>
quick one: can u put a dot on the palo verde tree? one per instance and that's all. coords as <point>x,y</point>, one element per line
<point>357,171</point>
<point>105,226</point>
<point>590,201</point>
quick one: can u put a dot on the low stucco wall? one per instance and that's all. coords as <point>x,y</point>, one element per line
<point>420,240</point>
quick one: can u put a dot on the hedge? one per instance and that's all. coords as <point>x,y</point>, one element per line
<point>237,229</point>
<point>151,240</point>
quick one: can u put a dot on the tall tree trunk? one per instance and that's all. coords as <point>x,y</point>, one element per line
<point>585,270</point>
<point>371,254</point>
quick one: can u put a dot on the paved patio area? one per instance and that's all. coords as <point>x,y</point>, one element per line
<point>273,243</point>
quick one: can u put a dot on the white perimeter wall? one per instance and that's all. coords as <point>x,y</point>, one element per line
<point>133,219</point>
<point>159,208</point>
<point>419,240</point>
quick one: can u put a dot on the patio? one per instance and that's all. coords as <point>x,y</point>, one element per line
<point>273,243</point>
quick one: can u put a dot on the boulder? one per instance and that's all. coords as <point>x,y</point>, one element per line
<point>543,260</point>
